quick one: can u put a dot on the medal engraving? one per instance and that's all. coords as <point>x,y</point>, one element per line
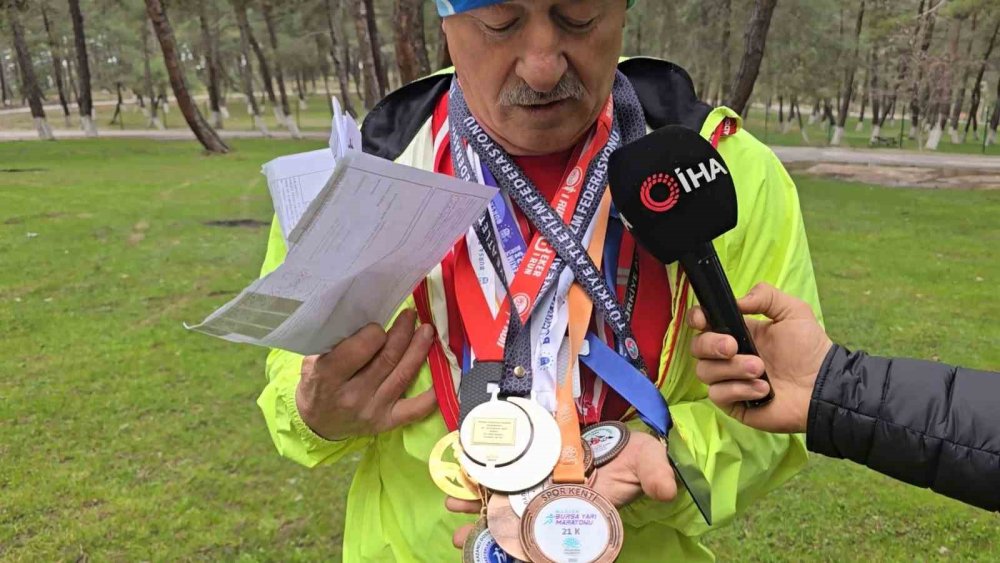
<point>571,524</point>
<point>494,431</point>
<point>607,440</point>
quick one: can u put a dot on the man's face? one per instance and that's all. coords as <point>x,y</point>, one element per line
<point>536,73</point>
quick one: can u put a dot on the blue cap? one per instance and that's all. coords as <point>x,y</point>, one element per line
<point>452,7</point>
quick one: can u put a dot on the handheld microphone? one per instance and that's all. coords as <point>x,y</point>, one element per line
<point>675,195</point>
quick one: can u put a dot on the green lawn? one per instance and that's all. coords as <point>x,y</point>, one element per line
<point>125,437</point>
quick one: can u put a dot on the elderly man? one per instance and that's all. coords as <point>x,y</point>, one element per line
<point>538,98</point>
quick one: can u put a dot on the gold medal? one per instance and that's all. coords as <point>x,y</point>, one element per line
<point>447,473</point>
<point>571,523</point>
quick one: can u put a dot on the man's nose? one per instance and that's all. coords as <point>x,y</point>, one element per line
<point>542,63</point>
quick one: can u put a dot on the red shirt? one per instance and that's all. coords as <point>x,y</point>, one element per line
<point>652,313</point>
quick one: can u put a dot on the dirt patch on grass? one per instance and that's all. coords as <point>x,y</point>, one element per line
<point>904,176</point>
<point>251,223</point>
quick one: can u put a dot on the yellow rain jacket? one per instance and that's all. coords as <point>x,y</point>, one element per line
<point>394,510</point>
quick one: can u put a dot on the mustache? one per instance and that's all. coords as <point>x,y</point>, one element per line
<point>570,87</point>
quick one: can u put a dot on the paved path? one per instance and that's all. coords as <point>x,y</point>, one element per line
<point>871,157</point>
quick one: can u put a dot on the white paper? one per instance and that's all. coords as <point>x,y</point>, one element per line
<point>371,235</point>
<point>295,180</point>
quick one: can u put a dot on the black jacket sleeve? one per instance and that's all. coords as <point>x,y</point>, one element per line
<point>924,423</point>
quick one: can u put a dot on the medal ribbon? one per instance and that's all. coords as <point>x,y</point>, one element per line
<point>570,468</point>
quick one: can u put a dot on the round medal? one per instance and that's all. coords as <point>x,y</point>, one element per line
<point>519,501</point>
<point>607,440</point>
<point>534,465</point>
<point>571,523</point>
<point>495,433</point>
<point>505,526</point>
<point>447,473</point>
<point>480,547</point>
<point>588,458</point>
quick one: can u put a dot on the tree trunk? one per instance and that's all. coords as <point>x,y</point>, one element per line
<point>977,84</point>
<point>82,70</point>
<point>754,45</point>
<point>867,90</point>
<point>4,91</point>
<point>919,91</point>
<point>201,129</point>
<point>286,118</point>
<point>991,138</point>
<point>246,69</point>
<point>152,111</point>
<point>411,51</point>
<point>240,7</point>
<point>959,101</point>
<point>848,90</point>
<point>725,63</point>
<point>945,90</point>
<point>118,106</point>
<point>339,53</point>
<point>212,65</point>
<point>371,59</point>
<point>29,82</point>
<point>57,70</point>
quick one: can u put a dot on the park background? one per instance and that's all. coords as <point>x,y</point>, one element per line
<point>124,437</point>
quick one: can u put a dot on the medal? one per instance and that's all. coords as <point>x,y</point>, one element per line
<point>447,473</point>
<point>495,433</point>
<point>505,526</point>
<point>571,523</point>
<point>533,465</point>
<point>480,547</point>
<point>607,440</point>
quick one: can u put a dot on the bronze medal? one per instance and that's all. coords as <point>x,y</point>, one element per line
<point>447,473</point>
<point>607,440</point>
<point>505,526</point>
<point>588,458</point>
<point>480,547</point>
<point>571,523</point>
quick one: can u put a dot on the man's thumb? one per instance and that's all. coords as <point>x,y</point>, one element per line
<point>655,474</point>
<point>765,299</point>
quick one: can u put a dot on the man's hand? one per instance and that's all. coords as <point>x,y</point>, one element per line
<point>792,346</point>
<point>356,388</point>
<point>640,468</point>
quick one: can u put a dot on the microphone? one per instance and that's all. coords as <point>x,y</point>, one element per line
<point>675,195</point>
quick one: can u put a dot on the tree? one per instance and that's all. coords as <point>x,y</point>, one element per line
<point>959,102</point>
<point>845,96</point>
<point>4,90</point>
<point>339,52</point>
<point>411,51</point>
<point>246,69</point>
<point>754,45</point>
<point>168,44</point>
<point>85,101</point>
<point>725,70</point>
<point>211,66</point>
<point>374,77</point>
<point>57,70</point>
<point>278,72</point>
<point>977,84</point>
<point>29,82</point>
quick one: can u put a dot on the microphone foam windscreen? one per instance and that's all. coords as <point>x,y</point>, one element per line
<point>674,191</point>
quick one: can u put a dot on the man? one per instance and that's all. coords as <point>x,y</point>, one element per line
<point>924,423</point>
<point>540,82</point>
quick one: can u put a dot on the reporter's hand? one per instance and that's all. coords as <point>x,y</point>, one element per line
<point>640,468</point>
<point>792,345</point>
<point>356,388</point>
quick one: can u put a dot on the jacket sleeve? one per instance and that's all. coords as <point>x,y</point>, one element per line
<point>924,423</point>
<point>293,438</point>
<point>768,245</point>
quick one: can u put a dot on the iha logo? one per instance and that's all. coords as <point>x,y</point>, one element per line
<point>663,205</point>
<point>690,179</point>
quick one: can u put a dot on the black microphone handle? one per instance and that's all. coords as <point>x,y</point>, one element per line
<point>715,295</point>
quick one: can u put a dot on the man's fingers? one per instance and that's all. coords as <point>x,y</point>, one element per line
<point>713,346</point>
<point>696,319</point>
<point>655,474</point>
<point>461,535</point>
<point>408,411</point>
<point>729,392</point>
<point>740,367</point>
<point>767,300</point>
<point>462,506</point>
<point>408,367</point>
<point>397,341</point>
<point>353,353</point>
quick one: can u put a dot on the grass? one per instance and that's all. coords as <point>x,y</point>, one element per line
<point>127,438</point>
<point>766,127</point>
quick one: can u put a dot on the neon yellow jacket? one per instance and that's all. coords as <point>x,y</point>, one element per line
<point>395,512</point>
